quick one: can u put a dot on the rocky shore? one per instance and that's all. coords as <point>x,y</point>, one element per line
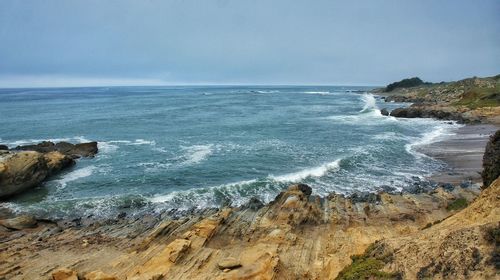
<point>446,231</point>
<point>433,230</point>
<point>25,167</point>
<point>471,101</point>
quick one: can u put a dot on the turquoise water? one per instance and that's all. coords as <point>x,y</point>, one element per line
<point>164,148</point>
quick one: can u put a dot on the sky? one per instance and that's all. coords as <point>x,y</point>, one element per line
<point>266,42</point>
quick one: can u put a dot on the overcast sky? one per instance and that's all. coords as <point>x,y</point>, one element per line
<point>134,42</point>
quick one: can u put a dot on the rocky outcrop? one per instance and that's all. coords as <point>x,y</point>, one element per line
<point>463,246</point>
<point>73,150</point>
<point>3,147</point>
<point>473,100</point>
<point>491,160</point>
<point>296,236</point>
<point>436,112</point>
<point>20,171</point>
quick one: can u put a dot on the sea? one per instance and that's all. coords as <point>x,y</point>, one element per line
<point>185,148</point>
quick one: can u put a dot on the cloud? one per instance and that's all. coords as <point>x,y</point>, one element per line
<point>248,41</point>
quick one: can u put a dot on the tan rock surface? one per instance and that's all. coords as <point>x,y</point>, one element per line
<point>297,236</point>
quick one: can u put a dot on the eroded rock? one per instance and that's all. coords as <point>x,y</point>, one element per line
<point>20,171</point>
<point>19,222</point>
<point>73,150</point>
<point>98,275</point>
<point>491,160</point>
<point>228,263</point>
<point>64,274</point>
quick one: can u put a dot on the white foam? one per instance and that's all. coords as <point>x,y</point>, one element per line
<point>78,139</point>
<point>75,175</point>
<point>267,91</point>
<point>106,147</point>
<point>196,154</point>
<point>318,92</point>
<point>144,142</point>
<point>439,133</point>
<point>204,195</point>
<point>370,103</point>
<point>318,171</point>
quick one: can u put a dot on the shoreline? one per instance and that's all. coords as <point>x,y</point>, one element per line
<point>298,235</point>
<point>462,153</point>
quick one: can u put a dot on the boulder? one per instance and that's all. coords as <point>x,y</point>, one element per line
<point>73,150</point>
<point>384,112</point>
<point>20,171</point>
<point>228,263</point>
<point>20,222</point>
<point>64,274</point>
<point>491,160</point>
<point>3,147</point>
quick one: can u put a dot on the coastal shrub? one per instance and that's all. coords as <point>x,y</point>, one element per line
<point>367,266</point>
<point>457,204</point>
<point>492,235</point>
<point>405,83</point>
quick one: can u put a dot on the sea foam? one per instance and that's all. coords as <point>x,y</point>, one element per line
<point>316,172</point>
<point>75,175</point>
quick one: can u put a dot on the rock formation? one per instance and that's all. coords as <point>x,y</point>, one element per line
<point>473,100</point>
<point>491,160</point>
<point>73,150</point>
<point>26,167</point>
<point>296,236</point>
<point>24,170</point>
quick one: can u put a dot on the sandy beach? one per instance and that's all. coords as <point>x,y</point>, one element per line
<point>462,152</point>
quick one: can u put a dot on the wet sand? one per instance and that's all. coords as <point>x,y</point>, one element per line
<point>463,154</point>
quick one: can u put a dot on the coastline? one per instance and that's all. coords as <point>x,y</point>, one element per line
<point>462,152</point>
<point>298,235</point>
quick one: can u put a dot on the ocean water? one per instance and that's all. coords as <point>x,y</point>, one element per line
<point>179,148</point>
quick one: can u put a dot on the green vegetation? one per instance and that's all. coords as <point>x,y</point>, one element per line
<point>457,204</point>
<point>366,267</point>
<point>405,83</point>
<point>480,97</point>
<point>493,236</point>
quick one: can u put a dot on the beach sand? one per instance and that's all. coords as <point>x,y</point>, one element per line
<point>463,153</point>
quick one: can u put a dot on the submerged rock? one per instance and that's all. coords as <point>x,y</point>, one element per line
<point>74,150</point>
<point>491,160</point>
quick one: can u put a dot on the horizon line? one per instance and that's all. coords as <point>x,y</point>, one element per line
<point>196,85</point>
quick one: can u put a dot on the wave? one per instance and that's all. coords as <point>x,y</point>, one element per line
<point>196,154</point>
<point>106,147</point>
<point>264,91</point>
<point>318,171</point>
<point>437,134</point>
<point>77,139</point>
<point>370,103</point>
<point>319,92</point>
<point>75,175</point>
